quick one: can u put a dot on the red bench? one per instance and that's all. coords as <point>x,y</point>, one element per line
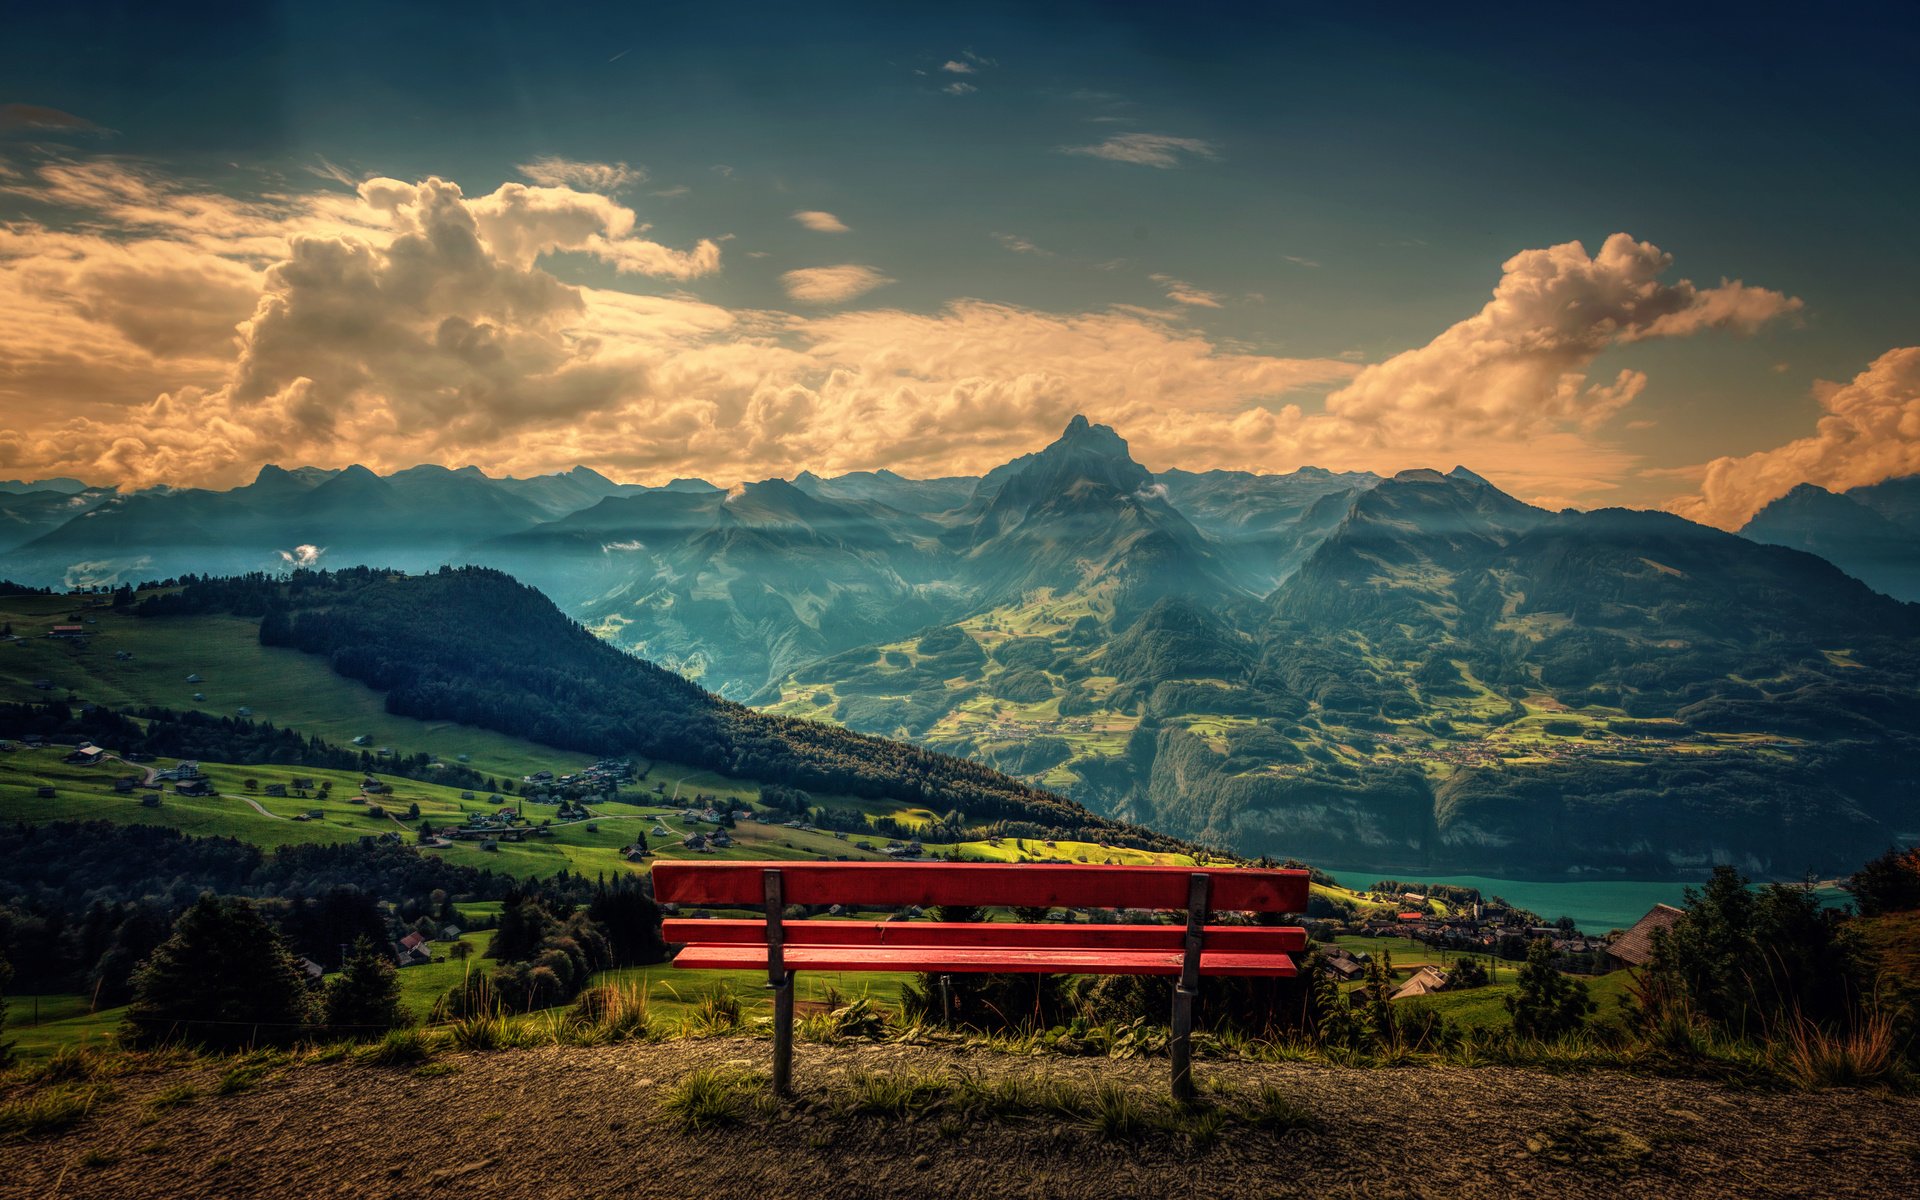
<point>782,947</point>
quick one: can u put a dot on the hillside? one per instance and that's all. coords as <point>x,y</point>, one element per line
<point>473,646</point>
<point>888,1120</point>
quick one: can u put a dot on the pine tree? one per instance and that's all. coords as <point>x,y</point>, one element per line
<point>224,979</point>
<point>1547,1004</point>
<point>363,1000</point>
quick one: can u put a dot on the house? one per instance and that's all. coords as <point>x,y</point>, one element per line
<point>660,830</point>
<point>126,783</point>
<point>1424,982</point>
<point>634,854</point>
<point>195,679</point>
<point>301,783</point>
<point>450,933</point>
<point>1635,947</point>
<point>414,950</point>
<point>694,841</point>
<point>1342,963</point>
<point>276,789</point>
<point>245,711</point>
<point>720,840</point>
<point>193,787</point>
<point>85,755</point>
<point>311,969</point>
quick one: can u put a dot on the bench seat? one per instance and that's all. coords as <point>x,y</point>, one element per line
<point>963,960</point>
<point>1250,939</point>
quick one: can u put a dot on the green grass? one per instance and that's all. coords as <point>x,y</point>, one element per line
<point>1485,1008</point>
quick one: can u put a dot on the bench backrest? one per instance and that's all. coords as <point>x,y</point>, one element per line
<point>1038,885</point>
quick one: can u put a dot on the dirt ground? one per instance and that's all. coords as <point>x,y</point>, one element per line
<point>579,1122</point>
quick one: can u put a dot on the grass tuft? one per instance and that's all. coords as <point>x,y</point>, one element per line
<point>710,1097</point>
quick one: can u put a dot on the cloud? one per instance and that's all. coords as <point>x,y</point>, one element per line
<point>820,222</point>
<point>606,178</point>
<point>957,67</point>
<point>832,285</point>
<point>39,119</point>
<point>1869,430</point>
<point>304,555</point>
<point>959,88</point>
<point>1181,292</point>
<point>1020,245</point>
<point>1147,150</point>
<point>1518,366</point>
<point>1298,261</point>
<point>161,333</point>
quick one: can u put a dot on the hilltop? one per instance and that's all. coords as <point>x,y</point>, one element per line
<point>590,1122</point>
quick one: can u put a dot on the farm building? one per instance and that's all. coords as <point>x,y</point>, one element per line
<point>1634,947</point>
<point>1424,982</point>
<point>68,631</point>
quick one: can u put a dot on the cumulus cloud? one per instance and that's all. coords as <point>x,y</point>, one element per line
<point>1519,365</point>
<point>1869,430</point>
<point>1181,292</point>
<point>820,222</point>
<point>164,333</point>
<point>955,66</point>
<point>832,285</point>
<point>304,555</point>
<point>1147,150</point>
<point>586,176</point>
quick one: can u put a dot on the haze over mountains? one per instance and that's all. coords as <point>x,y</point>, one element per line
<point>1416,672</point>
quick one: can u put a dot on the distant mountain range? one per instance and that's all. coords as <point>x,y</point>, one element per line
<point>1871,533</point>
<point>1418,672</point>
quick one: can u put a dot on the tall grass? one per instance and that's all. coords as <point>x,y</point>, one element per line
<point>1862,1056</point>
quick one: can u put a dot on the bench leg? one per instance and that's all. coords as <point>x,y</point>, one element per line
<point>783,1036</point>
<point>1180,1048</point>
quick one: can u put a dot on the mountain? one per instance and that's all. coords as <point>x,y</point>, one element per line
<point>1872,533</point>
<point>733,587</point>
<point>922,497</point>
<point>414,518</point>
<point>59,483</point>
<point>1265,524</point>
<point>1416,673</point>
<point>1450,680</point>
<point>27,515</point>
<point>1081,513</point>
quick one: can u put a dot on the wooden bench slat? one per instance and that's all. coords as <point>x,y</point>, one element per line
<point>1053,885</point>
<point>1250,939</point>
<point>962,960</point>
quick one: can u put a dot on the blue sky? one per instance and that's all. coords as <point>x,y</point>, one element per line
<point>1318,185</point>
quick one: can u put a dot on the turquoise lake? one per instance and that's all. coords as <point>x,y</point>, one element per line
<point>1595,905</point>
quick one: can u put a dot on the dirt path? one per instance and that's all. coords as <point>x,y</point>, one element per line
<point>586,1123</point>
<point>255,805</point>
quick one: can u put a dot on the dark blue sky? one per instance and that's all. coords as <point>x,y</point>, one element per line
<point>1345,178</point>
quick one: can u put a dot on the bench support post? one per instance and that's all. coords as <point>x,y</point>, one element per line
<point>1180,1048</point>
<point>781,981</point>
